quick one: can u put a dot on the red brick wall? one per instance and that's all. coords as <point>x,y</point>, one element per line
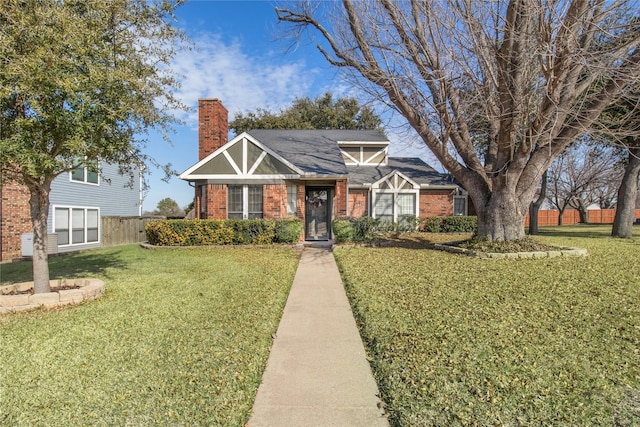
<point>301,195</point>
<point>14,219</point>
<point>216,202</point>
<point>213,126</point>
<point>358,203</point>
<point>274,200</point>
<point>436,203</point>
<point>340,206</point>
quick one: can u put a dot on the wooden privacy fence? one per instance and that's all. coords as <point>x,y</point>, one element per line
<point>122,230</point>
<point>572,216</point>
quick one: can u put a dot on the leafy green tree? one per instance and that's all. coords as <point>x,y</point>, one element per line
<point>169,208</point>
<point>320,113</point>
<point>80,80</point>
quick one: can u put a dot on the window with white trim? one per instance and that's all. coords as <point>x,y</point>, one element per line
<point>292,200</point>
<point>244,201</point>
<point>395,199</point>
<point>76,225</point>
<point>87,174</point>
<point>394,207</point>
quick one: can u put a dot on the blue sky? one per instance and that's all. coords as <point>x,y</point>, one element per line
<point>238,60</point>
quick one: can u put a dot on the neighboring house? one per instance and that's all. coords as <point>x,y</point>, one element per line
<point>315,175</point>
<point>78,201</point>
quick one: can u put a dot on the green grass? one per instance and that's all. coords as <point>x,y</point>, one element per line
<point>179,338</point>
<point>461,341</point>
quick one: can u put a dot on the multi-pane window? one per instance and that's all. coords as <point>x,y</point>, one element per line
<point>460,205</point>
<point>394,207</point>
<point>76,225</point>
<point>255,201</point>
<point>292,200</point>
<point>235,202</point>
<point>384,207</point>
<point>406,207</point>
<point>244,201</point>
<point>87,174</point>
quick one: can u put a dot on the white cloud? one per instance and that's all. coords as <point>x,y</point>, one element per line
<point>215,69</point>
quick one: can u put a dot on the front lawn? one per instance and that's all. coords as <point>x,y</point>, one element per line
<point>456,340</point>
<point>179,338</point>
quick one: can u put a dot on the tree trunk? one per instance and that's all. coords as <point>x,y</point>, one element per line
<point>503,216</point>
<point>627,194</point>
<point>584,213</point>
<point>535,205</point>
<point>560,215</point>
<point>39,204</point>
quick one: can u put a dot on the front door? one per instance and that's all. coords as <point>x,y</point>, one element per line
<point>318,214</point>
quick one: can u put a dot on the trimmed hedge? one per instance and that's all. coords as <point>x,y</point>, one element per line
<point>189,232</point>
<point>347,229</point>
<point>449,224</point>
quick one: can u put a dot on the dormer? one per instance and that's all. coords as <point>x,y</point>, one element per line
<point>364,153</point>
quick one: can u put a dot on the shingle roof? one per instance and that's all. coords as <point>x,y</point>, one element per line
<point>314,151</point>
<point>413,167</point>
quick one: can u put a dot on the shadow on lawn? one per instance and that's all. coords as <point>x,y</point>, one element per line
<point>65,266</point>
<point>586,231</point>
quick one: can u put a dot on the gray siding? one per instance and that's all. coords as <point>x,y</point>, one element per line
<point>112,196</point>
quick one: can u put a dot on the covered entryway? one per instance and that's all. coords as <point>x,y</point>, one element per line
<point>317,213</point>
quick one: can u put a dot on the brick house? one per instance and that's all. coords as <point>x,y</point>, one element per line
<point>315,175</point>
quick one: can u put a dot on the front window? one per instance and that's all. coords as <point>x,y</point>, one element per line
<point>244,201</point>
<point>234,202</point>
<point>76,225</point>
<point>87,173</point>
<point>255,201</point>
<point>384,207</point>
<point>460,205</point>
<point>395,207</point>
<point>406,207</point>
<point>292,200</point>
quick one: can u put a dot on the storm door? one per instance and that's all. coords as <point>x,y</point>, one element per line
<point>318,214</point>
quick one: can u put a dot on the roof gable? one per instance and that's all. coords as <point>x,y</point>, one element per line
<point>242,157</point>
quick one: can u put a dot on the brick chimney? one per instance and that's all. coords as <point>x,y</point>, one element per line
<point>213,126</point>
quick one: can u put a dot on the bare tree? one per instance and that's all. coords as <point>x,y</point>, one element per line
<point>584,175</point>
<point>531,65</point>
<point>534,208</point>
<point>623,115</point>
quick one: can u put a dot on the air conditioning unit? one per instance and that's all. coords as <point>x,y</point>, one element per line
<point>27,244</point>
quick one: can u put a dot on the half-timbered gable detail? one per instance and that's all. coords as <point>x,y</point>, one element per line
<point>315,175</point>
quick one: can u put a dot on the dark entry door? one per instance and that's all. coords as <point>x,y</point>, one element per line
<point>317,214</point>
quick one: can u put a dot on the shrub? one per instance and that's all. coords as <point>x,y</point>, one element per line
<point>449,224</point>
<point>342,230</point>
<point>252,231</point>
<point>432,224</point>
<point>221,232</point>
<point>459,224</point>
<point>288,230</point>
<point>364,228</point>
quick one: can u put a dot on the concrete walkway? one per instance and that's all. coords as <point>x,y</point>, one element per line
<point>317,373</point>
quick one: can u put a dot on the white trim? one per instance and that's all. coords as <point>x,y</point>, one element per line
<point>70,224</point>
<point>257,163</point>
<point>243,138</point>
<point>232,162</point>
<point>383,142</point>
<point>353,162</point>
<point>385,155</point>
<point>390,175</point>
<point>85,172</point>
<point>230,178</point>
